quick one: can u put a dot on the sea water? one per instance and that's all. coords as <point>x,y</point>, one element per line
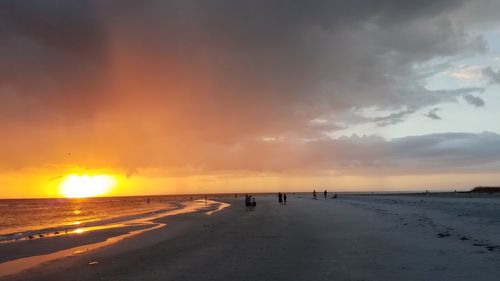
<point>21,218</point>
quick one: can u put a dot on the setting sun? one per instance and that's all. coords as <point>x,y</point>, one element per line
<point>80,186</point>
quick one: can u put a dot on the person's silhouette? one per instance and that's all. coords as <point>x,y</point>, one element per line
<point>280,198</point>
<point>284,198</point>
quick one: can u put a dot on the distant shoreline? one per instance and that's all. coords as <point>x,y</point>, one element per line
<point>477,189</point>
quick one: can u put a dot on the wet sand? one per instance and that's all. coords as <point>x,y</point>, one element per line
<point>350,238</point>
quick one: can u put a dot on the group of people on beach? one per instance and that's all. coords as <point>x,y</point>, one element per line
<point>282,198</point>
<point>250,201</point>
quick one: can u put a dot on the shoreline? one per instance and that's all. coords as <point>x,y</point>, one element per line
<point>100,236</point>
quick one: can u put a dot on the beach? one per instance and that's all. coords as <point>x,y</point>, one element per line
<point>353,237</point>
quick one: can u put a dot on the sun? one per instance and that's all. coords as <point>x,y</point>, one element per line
<point>81,186</point>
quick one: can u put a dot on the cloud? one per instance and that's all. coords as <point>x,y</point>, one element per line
<point>198,84</point>
<point>393,118</point>
<point>433,114</point>
<point>433,153</point>
<point>473,100</point>
<point>467,73</point>
<point>491,75</point>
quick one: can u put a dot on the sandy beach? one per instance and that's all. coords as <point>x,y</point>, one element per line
<point>403,237</point>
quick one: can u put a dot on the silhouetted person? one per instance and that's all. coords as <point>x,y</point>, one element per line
<point>254,203</point>
<point>325,193</point>
<point>247,200</point>
<point>314,195</point>
<point>280,198</point>
<point>284,198</point>
<point>149,200</point>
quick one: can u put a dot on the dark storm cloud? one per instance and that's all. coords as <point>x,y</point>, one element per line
<point>214,76</point>
<point>52,54</point>
<point>433,114</point>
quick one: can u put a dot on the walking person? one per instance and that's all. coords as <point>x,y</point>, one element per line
<point>284,198</point>
<point>314,195</point>
<point>280,198</point>
<point>325,193</point>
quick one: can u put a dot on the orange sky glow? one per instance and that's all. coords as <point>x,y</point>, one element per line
<point>177,98</point>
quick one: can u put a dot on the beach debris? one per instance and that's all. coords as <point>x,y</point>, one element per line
<point>31,237</point>
<point>93,263</point>
<point>41,235</point>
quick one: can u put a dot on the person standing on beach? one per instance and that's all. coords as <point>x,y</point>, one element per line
<point>284,198</point>
<point>280,198</point>
<point>314,195</point>
<point>325,193</point>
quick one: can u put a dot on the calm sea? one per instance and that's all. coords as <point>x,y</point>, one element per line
<point>22,217</point>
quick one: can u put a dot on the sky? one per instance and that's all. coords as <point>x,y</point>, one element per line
<point>249,96</point>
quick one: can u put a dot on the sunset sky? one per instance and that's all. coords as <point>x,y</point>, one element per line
<point>242,96</point>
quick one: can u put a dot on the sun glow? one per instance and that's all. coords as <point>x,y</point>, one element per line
<point>81,186</point>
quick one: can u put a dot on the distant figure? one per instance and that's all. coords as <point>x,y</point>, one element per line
<point>247,200</point>
<point>280,198</point>
<point>335,196</point>
<point>284,198</point>
<point>325,193</point>
<point>250,201</point>
<point>149,200</point>
<point>236,195</point>
<point>314,195</point>
<point>206,199</point>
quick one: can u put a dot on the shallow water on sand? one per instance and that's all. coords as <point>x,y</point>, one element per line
<point>146,224</point>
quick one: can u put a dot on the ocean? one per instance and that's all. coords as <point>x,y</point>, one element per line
<point>21,218</point>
